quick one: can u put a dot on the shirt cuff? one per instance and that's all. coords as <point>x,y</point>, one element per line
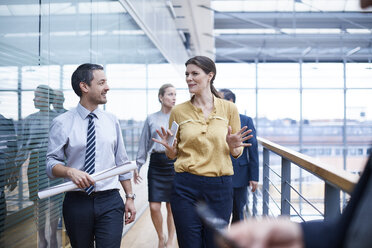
<point>240,153</point>
<point>49,168</point>
<point>125,176</point>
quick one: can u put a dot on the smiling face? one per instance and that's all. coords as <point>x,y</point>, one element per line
<point>96,92</point>
<point>168,100</point>
<point>197,80</point>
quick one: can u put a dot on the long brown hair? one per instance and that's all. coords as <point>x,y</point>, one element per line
<point>207,65</point>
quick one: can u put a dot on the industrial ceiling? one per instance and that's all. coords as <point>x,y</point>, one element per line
<point>229,31</point>
<point>285,30</point>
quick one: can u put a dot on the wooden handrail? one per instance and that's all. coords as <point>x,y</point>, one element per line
<point>340,178</point>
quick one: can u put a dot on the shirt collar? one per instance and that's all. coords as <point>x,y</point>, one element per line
<point>83,112</point>
<point>216,104</point>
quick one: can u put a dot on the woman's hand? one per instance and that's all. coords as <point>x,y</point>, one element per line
<point>235,141</point>
<point>137,178</point>
<point>171,151</point>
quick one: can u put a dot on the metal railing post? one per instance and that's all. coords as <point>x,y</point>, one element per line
<point>286,189</point>
<point>265,184</point>
<point>248,212</point>
<point>254,206</point>
<point>331,201</point>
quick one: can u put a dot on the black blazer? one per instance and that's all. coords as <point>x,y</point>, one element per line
<point>333,233</point>
<point>246,166</point>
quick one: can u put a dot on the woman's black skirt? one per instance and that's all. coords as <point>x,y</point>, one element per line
<point>160,177</point>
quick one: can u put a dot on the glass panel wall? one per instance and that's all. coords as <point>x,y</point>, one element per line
<point>320,109</point>
<point>241,79</point>
<point>42,43</point>
<point>324,107</point>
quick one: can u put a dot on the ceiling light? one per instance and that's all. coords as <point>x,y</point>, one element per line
<point>352,51</point>
<point>171,9</point>
<point>306,51</point>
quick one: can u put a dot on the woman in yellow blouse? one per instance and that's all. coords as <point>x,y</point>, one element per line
<point>209,131</point>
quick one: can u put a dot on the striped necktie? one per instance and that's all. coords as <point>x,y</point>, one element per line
<point>90,153</point>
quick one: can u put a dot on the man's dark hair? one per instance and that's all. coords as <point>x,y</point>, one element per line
<point>84,73</point>
<point>45,92</point>
<point>228,95</point>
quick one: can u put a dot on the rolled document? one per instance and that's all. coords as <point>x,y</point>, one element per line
<point>68,186</point>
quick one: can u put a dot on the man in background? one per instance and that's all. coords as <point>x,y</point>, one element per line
<point>245,167</point>
<point>34,145</point>
<point>58,100</point>
<point>8,151</point>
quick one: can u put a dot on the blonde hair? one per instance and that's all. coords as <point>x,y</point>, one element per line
<point>162,90</point>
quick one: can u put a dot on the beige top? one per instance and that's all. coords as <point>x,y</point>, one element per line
<point>202,146</point>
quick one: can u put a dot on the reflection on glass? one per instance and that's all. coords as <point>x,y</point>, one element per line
<point>58,100</point>
<point>33,148</point>
<point>8,168</point>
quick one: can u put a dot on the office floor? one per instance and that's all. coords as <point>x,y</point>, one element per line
<point>143,234</point>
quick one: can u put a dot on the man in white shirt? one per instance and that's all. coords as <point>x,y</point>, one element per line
<point>95,211</point>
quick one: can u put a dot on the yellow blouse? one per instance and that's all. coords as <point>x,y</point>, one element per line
<point>201,143</point>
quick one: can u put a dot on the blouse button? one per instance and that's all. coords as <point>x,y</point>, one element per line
<point>204,129</point>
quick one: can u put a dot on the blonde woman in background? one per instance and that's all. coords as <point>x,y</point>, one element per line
<point>161,170</point>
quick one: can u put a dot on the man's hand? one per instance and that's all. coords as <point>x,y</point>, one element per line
<point>253,185</point>
<point>80,178</point>
<point>130,211</point>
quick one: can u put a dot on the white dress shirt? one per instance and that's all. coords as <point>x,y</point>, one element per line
<point>67,144</point>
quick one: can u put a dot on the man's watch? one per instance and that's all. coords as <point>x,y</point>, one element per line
<point>130,196</point>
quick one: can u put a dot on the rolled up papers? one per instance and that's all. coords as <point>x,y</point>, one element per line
<point>68,186</point>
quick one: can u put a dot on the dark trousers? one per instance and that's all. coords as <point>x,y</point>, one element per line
<point>239,201</point>
<point>188,189</point>
<point>96,217</point>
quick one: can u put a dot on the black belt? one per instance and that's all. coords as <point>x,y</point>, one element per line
<point>95,193</point>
